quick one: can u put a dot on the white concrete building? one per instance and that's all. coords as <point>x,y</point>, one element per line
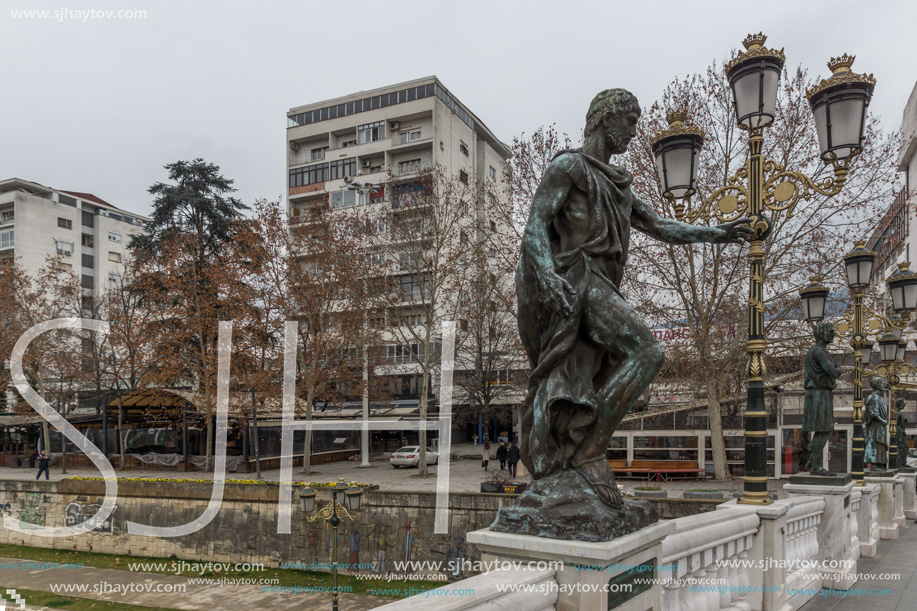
<point>385,137</point>
<point>89,235</point>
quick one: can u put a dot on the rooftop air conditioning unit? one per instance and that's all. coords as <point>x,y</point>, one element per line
<point>348,179</point>
<point>395,125</point>
<point>367,164</point>
<point>294,146</point>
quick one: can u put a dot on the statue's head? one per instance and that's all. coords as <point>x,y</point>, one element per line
<point>878,383</point>
<point>900,405</point>
<point>824,331</point>
<point>615,112</point>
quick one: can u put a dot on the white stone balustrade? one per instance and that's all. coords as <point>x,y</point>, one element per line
<point>803,517</point>
<point>910,501</point>
<point>853,531</point>
<point>888,523</point>
<point>868,520</point>
<point>706,550</point>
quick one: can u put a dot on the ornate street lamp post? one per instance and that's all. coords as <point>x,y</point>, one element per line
<point>764,185</point>
<point>352,498</point>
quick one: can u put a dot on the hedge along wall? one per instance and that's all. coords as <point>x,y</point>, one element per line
<point>391,526</point>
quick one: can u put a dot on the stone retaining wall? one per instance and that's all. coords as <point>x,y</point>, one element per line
<point>391,526</point>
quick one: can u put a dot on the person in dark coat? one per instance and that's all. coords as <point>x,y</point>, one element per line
<point>512,457</point>
<point>501,455</point>
<point>43,465</point>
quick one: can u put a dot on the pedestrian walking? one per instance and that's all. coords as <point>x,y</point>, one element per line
<point>43,465</point>
<point>501,455</point>
<point>512,457</point>
<point>485,455</point>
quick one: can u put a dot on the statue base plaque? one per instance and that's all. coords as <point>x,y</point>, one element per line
<point>806,479</point>
<point>626,565</point>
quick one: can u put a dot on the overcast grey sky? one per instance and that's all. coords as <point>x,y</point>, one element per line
<point>101,105</point>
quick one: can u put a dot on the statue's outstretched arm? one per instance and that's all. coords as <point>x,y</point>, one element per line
<point>649,222</point>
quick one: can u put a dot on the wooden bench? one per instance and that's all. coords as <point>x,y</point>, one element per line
<point>657,470</point>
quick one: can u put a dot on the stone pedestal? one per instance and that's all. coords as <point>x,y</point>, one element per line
<point>837,560</point>
<point>621,563</point>
<point>868,520</point>
<point>909,475</point>
<point>899,502</point>
<point>888,524</point>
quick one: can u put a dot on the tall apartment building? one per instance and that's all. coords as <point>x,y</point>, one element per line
<point>89,235</point>
<point>385,137</point>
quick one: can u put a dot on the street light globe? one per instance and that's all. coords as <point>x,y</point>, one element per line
<point>902,349</point>
<point>866,351</point>
<point>839,104</point>
<point>888,348</point>
<point>903,287</point>
<point>307,499</point>
<point>676,152</point>
<point>813,299</point>
<point>753,76</point>
<point>353,497</point>
<point>859,265</point>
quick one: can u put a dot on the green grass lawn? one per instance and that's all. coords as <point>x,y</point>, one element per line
<point>34,598</point>
<point>286,577</point>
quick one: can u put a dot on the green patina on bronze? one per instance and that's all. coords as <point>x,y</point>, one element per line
<point>821,379</point>
<point>591,354</point>
<point>875,425</point>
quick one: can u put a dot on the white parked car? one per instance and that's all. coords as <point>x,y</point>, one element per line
<point>409,456</point>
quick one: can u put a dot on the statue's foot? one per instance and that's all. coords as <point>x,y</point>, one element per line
<point>822,471</point>
<point>566,505</point>
<point>598,474</point>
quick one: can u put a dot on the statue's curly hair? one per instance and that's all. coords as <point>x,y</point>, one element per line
<point>618,102</point>
<point>822,330</point>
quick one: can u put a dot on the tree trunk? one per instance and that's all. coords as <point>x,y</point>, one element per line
<point>121,430</point>
<point>717,443</point>
<point>307,442</point>
<point>422,459</point>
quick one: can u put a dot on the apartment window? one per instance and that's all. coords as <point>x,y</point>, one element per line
<point>88,303</point>
<point>87,240</point>
<point>347,143</point>
<point>492,199</point>
<point>463,237</point>
<point>463,148</point>
<point>89,219</point>
<point>308,175</point>
<point>346,199</point>
<point>492,172</point>
<point>114,236</point>
<point>410,136</point>
<point>344,167</point>
<point>88,261</point>
<point>493,226</point>
<point>87,282</point>
<point>114,256</point>
<point>114,279</point>
<point>6,239</point>
<point>64,248</point>
<point>8,216</point>
<point>319,153</point>
<point>463,325</point>
<point>411,166</point>
<point>64,223</point>
<point>463,209</point>
<point>491,252</point>
<point>377,225</point>
<point>377,322</point>
<point>65,267</point>
<point>463,177</point>
<point>371,132</point>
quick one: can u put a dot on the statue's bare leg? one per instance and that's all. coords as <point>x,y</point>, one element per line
<point>612,324</point>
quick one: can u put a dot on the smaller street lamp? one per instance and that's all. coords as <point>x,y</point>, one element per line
<point>813,299</point>
<point>352,500</point>
<point>902,349</point>
<point>859,263</point>
<point>888,348</point>
<point>867,353</point>
<point>903,287</point>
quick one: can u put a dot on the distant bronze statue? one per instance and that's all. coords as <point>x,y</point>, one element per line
<point>821,379</point>
<point>900,425</point>
<point>591,354</point>
<point>875,423</point>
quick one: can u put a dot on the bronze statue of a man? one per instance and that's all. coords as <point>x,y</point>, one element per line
<point>901,432</point>
<point>591,354</point>
<point>821,379</point>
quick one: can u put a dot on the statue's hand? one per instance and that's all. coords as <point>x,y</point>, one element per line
<point>734,232</point>
<point>557,293</point>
